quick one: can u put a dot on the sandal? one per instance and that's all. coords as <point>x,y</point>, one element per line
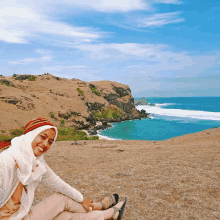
<point>121,210</point>
<point>113,200</point>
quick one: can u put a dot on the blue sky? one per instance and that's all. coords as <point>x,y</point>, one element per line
<point>158,47</point>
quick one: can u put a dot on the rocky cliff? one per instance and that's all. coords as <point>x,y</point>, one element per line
<point>66,102</point>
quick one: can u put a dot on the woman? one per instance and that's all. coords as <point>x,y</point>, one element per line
<point>22,167</point>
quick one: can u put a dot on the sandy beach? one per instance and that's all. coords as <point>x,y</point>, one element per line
<point>101,137</point>
<point>171,179</point>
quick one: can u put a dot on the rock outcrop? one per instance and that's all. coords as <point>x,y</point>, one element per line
<point>77,103</point>
<point>142,101</point>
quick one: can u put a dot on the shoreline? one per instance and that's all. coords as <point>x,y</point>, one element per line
<point>101,137</point>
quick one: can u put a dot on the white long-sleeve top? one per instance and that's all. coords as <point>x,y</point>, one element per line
<point>9,180</point>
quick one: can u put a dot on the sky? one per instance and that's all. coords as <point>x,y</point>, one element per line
<point>160,48</point>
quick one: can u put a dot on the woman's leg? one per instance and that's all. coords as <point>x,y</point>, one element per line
<point>57,203</point>
<point>94,215</point>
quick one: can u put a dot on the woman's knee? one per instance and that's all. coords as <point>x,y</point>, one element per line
<point>58,195</point>
<point>56,198</point>
<point>65,215</point>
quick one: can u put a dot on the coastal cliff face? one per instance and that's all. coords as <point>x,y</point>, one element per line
<point>66,102</point>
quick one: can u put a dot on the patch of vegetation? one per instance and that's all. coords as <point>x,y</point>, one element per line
<point>52,115</point>
<point>4,138</point>
<point>71,134</point>
<point>6,82</point>
<point>109,113</point>
<point>79,91</point>
<point>32,78</point>
<point>50,90</point>
<point>63,115</point>
<point>94,138</point>
<point>23,77</point>
<point>64,134</point>
<point>62,121</point>
<point>13,133</point>
<point>16,132</point>
<point>57,78</point>
<point>12,101</point>
<point>93,88</point>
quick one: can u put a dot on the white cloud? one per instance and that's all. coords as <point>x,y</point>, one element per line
<point>122,5</point>
<point>103,5</point>
<point>108,6</point>
<point>168,1</point>
<point>149,52</point>
<point>20,22</point>
<point>81,72</point>
<point>146,59</point>
<point>23,20</point>
<point>45,58</point>
<point>60,68</point>
<point>159,20</point>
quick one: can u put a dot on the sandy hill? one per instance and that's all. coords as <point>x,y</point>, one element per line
<point>25,97</point>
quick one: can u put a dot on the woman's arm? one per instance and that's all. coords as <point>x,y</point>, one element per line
<point>2,177</point>
<point>52,181</point>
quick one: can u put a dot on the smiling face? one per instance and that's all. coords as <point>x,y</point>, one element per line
<point>42,142</point>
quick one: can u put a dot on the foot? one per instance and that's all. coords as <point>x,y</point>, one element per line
<point>109,214</point>
<point>107,202</point>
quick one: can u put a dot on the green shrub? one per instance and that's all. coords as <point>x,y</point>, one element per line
<point>108,113</point>
<point>117,113</point>
<point>96,115</point>
<point>93,88</point>
<point>57,78</point>
<point>52,115</point>
<point>64,134</point>
<point>94,138</point>
<point>4,138</point>
<point>63,131</point>
<point>13,133</point>
<point>12,101</point>
<point>63,121</point>
<point>79,91</point>
<point>32,78</point>
<point>23,77</point>
<point>50,90</point>
<point>5,82</point>
<point>16,132</point>
<point>70,134</point>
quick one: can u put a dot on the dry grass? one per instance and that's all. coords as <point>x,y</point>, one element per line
<point>173,179</point>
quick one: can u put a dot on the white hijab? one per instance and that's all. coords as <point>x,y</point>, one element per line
<point>21,150</point>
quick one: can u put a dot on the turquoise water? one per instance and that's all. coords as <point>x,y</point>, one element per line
<point>170,117</point>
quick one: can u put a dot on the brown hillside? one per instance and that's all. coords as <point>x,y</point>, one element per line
<point>22,100</point>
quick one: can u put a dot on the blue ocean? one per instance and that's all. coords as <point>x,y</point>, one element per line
<point>170,117</point>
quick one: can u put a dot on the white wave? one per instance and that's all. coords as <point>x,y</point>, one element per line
<point>163,104</point>
<point>105,137</point>
<point>181,113</point>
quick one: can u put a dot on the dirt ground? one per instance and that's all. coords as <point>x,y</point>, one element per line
<point>177,178</point>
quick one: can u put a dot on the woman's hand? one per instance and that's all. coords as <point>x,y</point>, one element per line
<point>86,203</point>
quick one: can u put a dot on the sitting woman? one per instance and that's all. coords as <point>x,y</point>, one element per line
<point>22,167</point>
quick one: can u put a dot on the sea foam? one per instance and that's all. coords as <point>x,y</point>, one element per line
<point>205,115</point>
